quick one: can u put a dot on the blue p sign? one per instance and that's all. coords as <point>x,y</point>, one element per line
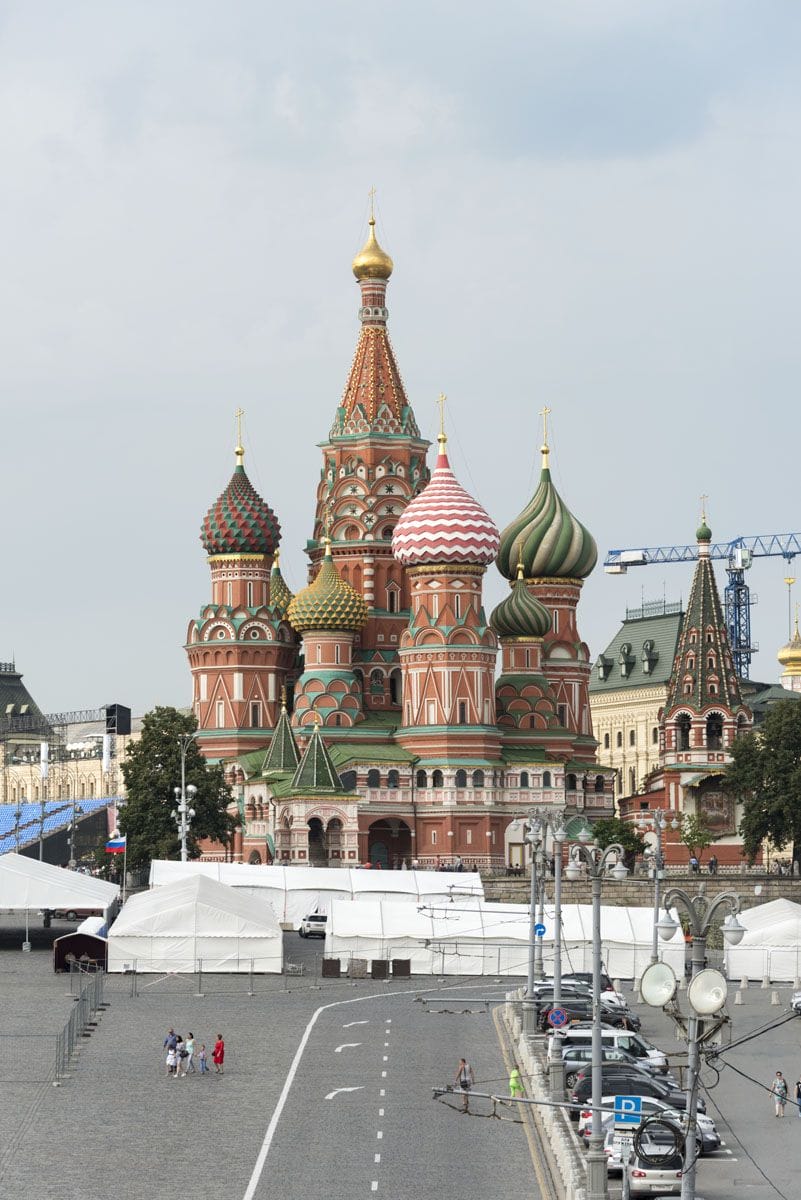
<point>628,1110</point>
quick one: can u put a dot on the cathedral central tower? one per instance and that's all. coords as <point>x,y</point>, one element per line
<point>374,463</point>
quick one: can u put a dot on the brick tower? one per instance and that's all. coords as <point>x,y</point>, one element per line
<point>373,464</point>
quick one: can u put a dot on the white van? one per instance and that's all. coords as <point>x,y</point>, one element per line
<point>623,1039</point>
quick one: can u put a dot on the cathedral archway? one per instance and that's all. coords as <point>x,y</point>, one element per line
<point>317,852</point>
<point>389,843</point>
<point>254,858</point>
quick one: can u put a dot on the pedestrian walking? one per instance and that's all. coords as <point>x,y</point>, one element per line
<point>779,1090</point>
<point>218,1054</point>
<point>170,1042</point>
<point>465,1079</point>
<point>204,1066</point>
<point>515,1083</point>
<point>693,864</point>
<point>180,1056</point>
<point>798,1097</point>
<point>172,1059</point>
<point>189,1064</point>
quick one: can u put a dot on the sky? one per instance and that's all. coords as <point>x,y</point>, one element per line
<point>590,206</point>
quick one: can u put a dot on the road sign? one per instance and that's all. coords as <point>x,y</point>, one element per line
<point>539,929</point>
<point>628,1110</point>
<point>557,1017</point>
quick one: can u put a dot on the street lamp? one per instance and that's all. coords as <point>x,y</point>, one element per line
<point>183,813</point>
<point>532,827</point>
<point>598,863</point>
<point>703,1002</point>
<point>76,810</point>
<point>658,822</point>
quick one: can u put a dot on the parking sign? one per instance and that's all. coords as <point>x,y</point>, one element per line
<point>628,1110</point>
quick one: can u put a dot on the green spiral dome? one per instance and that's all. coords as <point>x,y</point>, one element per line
<point>520,615</point>
<point>546,538</point>
<point>327,603</point>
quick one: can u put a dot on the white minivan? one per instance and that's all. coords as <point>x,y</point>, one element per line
<point>623,1039</point>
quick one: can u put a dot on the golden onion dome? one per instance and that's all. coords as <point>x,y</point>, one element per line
<point>790,655</point>
<point>329,603</point>
<point>372,262</point>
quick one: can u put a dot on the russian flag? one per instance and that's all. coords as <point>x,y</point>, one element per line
<point>116,845</point>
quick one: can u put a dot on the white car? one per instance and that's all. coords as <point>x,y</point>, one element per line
<point>795,1002</point>
<point>313,925</point>
<point>651,1107</point>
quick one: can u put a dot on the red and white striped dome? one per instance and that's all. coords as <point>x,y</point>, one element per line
<point>444,524</point>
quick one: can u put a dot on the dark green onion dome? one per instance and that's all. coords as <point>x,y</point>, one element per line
<point>520,615</point>
<point>703,533</point>
<point>329,603</point>
<point>546,537</point>
<point>239,521</point>
<point>280,595</point>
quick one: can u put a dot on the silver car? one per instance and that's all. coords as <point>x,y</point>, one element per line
<point>664,1180</point>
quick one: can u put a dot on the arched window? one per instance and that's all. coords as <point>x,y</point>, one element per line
<point>710,662</point>
<point>395,683</point>
<point>632,780</point>
<point>710,638</point>
<point>619,739</point>
<point>683,726</point>
<point>478,779</point>
<point>393,779</point>
<point>337,653</point>
<point>392,600</point>
<point>714,731</point>
<point>599,784</point>
<point>376,682</point>
<point>691,663</point>
<point>457,607</point>
<point>570,783</point>
<point>386,533</point>
<point>421,779</point>
<point>91,787</point>
<point>348,780</point>
<point>606,741</point>
<point>655,735</point>
<point>437,779</point>
<point>524,783</point>
<point>632,737</point>
<point>546,779</point>
<point>461,778</point>
<point>373,778</point>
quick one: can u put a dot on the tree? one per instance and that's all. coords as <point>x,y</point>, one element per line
<point>765,773</point>
<point>611,829</point>
<point>696,834</point>
<point>152,771</point>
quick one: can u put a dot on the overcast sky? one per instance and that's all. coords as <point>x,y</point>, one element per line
<point>590,205</point>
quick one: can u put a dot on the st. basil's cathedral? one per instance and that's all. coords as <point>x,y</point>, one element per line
<point>362,720</point>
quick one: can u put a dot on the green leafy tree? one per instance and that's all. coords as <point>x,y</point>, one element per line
<point>611,829</point>
<point>696,834</point>
<point>152,771</point>
<point>765,773</point>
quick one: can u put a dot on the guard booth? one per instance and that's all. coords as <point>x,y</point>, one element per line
<point>86,947</point>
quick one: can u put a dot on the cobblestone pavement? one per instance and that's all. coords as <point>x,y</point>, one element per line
<point>120,1127</point>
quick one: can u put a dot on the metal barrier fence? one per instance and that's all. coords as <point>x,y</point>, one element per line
<point>88,1003</point>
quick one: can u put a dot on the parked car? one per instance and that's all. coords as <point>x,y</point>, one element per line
<point>580,1009</point>
<point>622,1080</point>
<point>586,978</point>
<point>73,914</point>
<point>707,1141</point>
<point>645,1180</point>
<point>313,925</point>
<point>575,1058</point>
<point>580,1034</point>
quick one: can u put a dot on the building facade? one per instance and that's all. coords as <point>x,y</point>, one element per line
<point>361,720</point>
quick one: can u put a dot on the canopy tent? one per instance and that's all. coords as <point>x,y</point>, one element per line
<point>191,921</point>
<point>489,939</point>
<point>26,883</point>
<point>771,945</point>
<point>294,892</point>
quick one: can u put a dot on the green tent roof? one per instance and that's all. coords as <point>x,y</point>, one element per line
<point>282,753</point>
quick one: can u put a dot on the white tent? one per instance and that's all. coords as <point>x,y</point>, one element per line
<point>296,891</point>
<point>771,945</point>
<point>26,883</point>
<point>191,921</point>
<point>489,939</point>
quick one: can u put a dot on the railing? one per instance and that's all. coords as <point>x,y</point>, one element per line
<point>88,1003</point>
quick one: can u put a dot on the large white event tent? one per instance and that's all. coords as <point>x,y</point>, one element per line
<point>195,921</point>
<point>26,883</point>
<point>489,939</point>
<point>294,892</point>
<point>771,945</point>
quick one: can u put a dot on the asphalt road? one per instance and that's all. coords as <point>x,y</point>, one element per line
<point>120,1127</point>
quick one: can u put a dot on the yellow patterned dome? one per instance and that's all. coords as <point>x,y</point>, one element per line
<point>327,603</point>
<point>372,262</point>
<point>790,655</point>
<point>280,595</point>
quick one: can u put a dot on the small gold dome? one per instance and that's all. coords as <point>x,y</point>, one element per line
<point>372,262</point>
<point>790,655</point>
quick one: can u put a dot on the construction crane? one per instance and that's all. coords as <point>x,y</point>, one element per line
<point>739,555</point>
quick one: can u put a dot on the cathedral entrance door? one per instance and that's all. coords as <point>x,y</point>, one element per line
<point>317,852</point>
<point>389,843</point>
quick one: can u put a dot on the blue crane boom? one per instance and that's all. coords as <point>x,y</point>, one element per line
<point>739,553</point>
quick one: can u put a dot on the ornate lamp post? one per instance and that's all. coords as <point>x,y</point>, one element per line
<point>76,810</point>
<point>598,863</point>
<point>700,912</point>
<point>184,813</point>
<point>658,822</point>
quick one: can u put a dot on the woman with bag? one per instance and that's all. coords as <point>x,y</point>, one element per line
<point>779,1091</point>
<point>218,1054</point>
